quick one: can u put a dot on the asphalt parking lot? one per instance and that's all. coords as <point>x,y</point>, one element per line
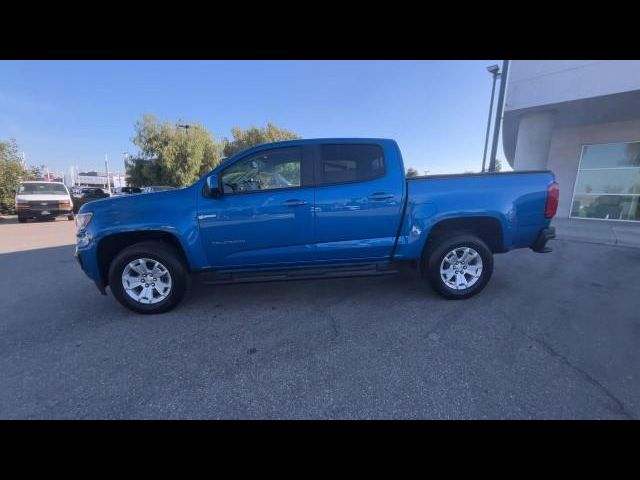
<point>552,336</point>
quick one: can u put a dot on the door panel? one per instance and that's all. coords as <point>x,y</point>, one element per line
<point>261,228</point>
<point>264,216</point>
<point>356,219</point>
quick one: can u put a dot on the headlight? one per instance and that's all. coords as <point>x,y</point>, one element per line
<point>83,219</point>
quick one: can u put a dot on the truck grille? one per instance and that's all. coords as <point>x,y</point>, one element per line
<point>43,205</point>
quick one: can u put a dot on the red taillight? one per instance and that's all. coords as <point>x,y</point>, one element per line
<point>553,194</point>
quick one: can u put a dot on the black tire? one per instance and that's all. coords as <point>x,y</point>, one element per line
<point>436,254</point>
<point>22,219</point>
<point>70,217</point>
<point>155,250</point>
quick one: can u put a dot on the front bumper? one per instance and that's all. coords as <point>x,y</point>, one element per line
<point>43,212</point>
<point>87,259</point>
<point>540,244</point>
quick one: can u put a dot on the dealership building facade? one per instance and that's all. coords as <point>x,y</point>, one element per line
<point>580,119</point>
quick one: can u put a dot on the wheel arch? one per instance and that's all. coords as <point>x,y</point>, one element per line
<point>488,228</point>
<point>110,245</point>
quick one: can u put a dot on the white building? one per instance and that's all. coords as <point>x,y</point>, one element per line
<point>580,119</point>
<point>94,179</point>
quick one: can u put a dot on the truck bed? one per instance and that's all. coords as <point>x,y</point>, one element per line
<point>514,199</point>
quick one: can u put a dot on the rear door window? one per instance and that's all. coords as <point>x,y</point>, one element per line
<point>350,163</point>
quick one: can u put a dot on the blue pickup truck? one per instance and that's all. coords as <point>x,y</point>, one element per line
<point>313,209</point>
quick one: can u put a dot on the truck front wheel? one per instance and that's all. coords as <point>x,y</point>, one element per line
<point>148,277</point>
<point>459,266</point>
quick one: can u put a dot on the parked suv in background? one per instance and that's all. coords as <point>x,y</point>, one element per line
<point>126,191</point>
<point>46,200</point>
<point>87,195</point>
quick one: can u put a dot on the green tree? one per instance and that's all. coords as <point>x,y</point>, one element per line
<point>11,172</point>
<point>36,171</point>
<point>412,172</point>
<point>171,155</point>
<point>243,139</point>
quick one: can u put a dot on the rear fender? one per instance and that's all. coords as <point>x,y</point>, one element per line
<point>422,221</point>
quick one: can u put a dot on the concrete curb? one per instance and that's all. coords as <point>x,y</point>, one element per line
<point>599,232</point>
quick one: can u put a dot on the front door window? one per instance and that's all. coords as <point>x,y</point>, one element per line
<point>268,170</point>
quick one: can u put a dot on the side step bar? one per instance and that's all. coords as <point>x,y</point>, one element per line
<point>305,273</point>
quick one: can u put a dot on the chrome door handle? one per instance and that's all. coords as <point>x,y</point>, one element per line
<point>380,196</point>
<point>294,203</point>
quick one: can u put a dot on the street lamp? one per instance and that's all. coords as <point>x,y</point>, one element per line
<point>494,70</point>
<point>498,120</point>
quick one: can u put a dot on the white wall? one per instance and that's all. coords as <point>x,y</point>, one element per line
<point>541,82</point>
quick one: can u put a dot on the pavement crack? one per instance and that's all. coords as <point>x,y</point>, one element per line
<point>334,324</point>
<point>619,409</point>
<point>333,321</point>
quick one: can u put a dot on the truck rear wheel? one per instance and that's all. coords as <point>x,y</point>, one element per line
<point>458,267</point>
<point>148,277</point>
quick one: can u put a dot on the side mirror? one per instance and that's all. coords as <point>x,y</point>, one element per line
<point>211,188</point>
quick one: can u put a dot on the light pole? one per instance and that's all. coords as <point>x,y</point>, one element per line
<point>494,70</point>
<point>496,126</point>
<point>106,166</point>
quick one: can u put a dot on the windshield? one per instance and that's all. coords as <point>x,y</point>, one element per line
<point>44,188</point>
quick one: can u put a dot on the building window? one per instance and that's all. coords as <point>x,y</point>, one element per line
<point>608,182</point>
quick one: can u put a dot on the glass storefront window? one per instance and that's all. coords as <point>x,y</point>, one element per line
<point>611,155</point>
<point>608,182</point>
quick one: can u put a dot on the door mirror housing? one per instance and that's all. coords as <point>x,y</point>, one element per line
<point>211,187</point>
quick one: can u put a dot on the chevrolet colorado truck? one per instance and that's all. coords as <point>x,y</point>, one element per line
<point>313,209</point>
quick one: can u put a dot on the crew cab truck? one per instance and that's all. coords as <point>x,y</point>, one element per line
<point>309,209</point>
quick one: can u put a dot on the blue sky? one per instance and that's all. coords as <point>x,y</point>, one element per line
<point>66,113</point>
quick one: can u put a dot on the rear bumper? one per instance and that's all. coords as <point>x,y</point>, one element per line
<point>540,244</point>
